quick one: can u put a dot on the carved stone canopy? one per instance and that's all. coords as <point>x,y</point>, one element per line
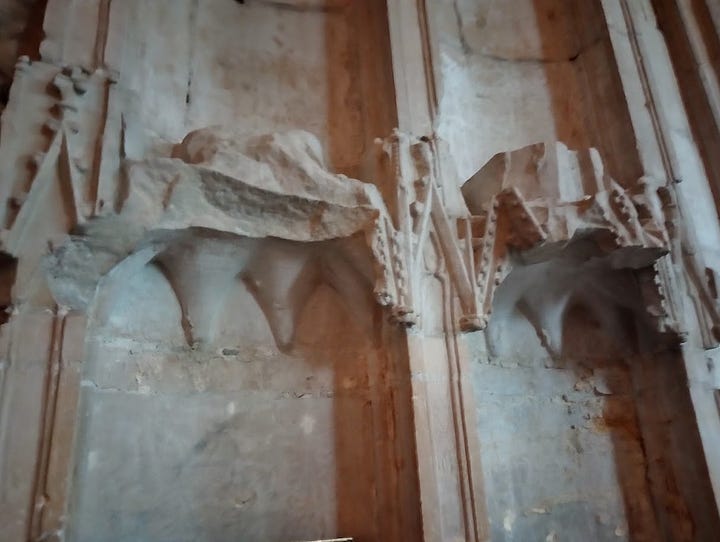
<point>265,210</point>
<point>288,224</point>
<point>521,208</point>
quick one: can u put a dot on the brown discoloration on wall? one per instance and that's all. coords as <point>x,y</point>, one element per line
<point>233,314</point>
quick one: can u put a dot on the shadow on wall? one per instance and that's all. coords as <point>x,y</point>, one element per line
<point>8,269</point>
<point>589,105</point>
<point>21,23</point>
<point>655,434</point>
<point>602,439</point>
<point>358,72</point>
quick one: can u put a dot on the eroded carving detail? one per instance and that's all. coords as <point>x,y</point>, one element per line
<point>278,185</point>
<point>500,228</point>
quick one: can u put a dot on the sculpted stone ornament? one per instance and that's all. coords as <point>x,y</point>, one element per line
<point>198,308</point>
<point>488,227</point>
<point>522,207</point>
<point>505,229</point>
<point>269,200</point>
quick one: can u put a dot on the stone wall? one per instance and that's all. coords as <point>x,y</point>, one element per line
<point>299,269</point>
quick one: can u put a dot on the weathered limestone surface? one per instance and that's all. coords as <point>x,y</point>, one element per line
<point>308,269</point>
<point>513,75</point>
<point>595,74</point>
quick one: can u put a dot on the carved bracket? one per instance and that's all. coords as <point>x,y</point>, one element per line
<point>278,186</point>
<point>481,242</point>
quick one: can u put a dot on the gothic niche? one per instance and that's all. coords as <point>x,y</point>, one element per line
<point>561,374</point>
<point>232,295</point>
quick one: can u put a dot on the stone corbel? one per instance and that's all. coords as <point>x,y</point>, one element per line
<point>520,232</point>
<point>408,164</point>
<point>481,243</point>
<point>278,186</point>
